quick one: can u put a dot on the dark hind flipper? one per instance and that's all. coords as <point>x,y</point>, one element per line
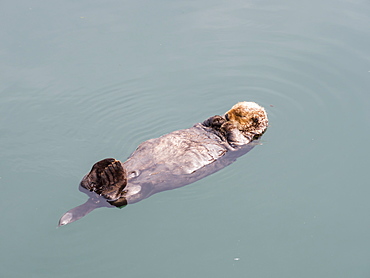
<point>107,178</point>
<point>120,203</point>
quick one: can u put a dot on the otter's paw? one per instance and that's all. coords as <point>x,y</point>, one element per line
<point>107,178</point>
<point>214,122</point>
<point>233,135</point>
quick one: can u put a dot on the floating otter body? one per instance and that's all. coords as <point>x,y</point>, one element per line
<point>172,160</point>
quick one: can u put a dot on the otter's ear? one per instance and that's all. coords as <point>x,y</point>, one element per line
<point>107,178</point>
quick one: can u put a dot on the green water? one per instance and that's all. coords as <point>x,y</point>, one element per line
<point>85,80</point>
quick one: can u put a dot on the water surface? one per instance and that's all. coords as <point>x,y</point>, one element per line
<point>81,81</point>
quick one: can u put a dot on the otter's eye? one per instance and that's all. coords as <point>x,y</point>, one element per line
<point>241,116</point>
<point>255,120</point>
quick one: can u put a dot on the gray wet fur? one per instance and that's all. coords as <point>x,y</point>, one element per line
<point>170,161</point>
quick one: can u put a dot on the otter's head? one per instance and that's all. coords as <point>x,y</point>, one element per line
<point>249,117</point>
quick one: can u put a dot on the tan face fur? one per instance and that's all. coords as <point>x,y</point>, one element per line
<point>249,117</point>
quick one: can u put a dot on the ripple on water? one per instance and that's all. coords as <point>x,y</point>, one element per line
<point>302,86</point>
<point>287,73</point>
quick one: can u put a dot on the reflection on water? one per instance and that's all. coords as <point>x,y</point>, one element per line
<point>82,81</point>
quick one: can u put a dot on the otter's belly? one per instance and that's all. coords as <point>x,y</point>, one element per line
<point>172,160</point>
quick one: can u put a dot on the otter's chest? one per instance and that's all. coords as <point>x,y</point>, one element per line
<point>178,153</point>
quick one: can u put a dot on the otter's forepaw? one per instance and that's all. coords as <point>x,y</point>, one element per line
<point>214,122</point>
<point>233,135</point>
<point>228,126</point>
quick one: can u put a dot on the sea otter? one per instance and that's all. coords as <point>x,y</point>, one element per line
<point>172,160</point>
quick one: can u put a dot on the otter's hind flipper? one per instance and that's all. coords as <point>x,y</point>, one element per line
<point>107,178</point>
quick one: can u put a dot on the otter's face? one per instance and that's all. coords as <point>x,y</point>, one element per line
<point>249,117</point>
